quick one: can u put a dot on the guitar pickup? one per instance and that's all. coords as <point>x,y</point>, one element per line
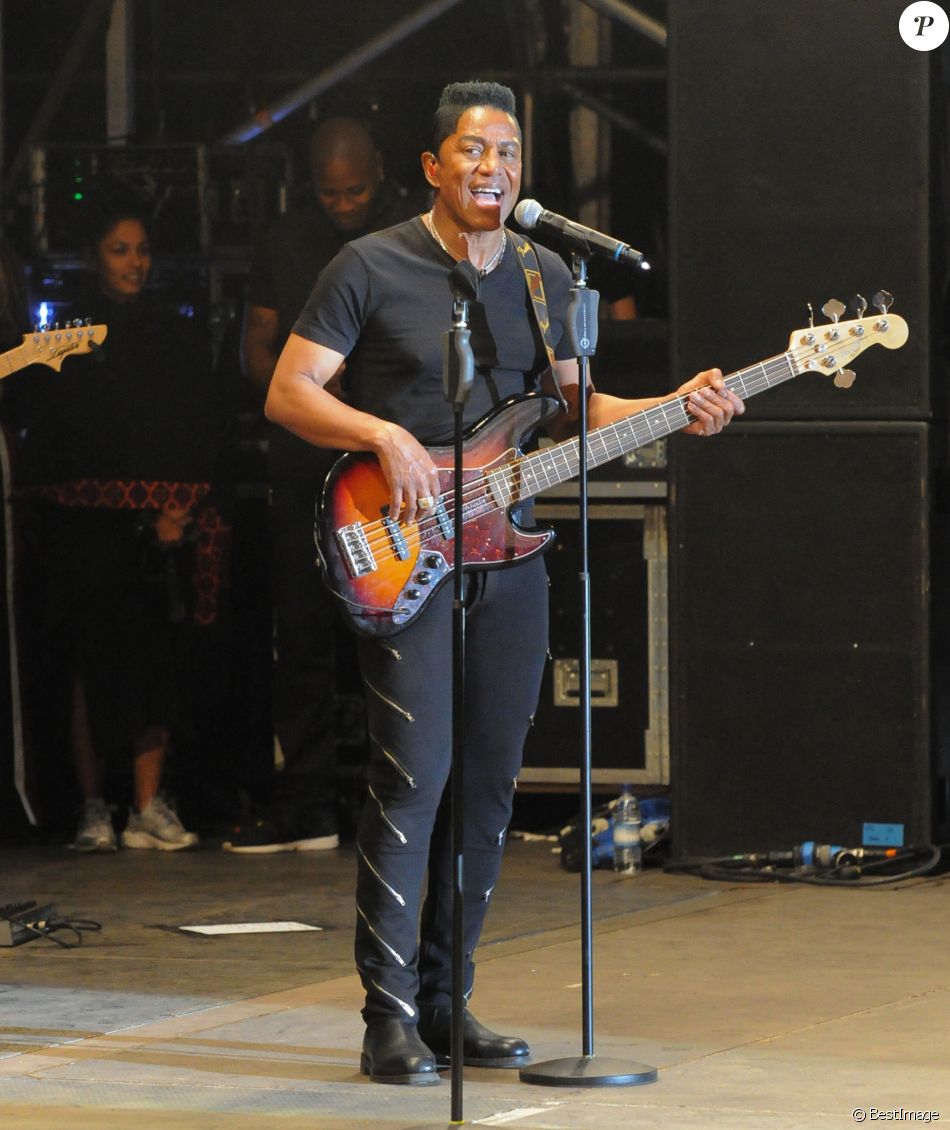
<point>396,539</point>
<point>355,549</point>
<point>446,525</point>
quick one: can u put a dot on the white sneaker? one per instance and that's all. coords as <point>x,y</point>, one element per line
<point>95,831</point>
<point>157,827</point>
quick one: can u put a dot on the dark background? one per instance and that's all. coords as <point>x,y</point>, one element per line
<point>201,70</point>
<point>773,155</point>
<point>204,68</point>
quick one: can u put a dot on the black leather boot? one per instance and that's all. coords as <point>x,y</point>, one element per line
<point>394,1053</point>
<point>480,1046</point>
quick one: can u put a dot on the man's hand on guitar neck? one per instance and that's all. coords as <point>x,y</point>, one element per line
<point>710,402</point>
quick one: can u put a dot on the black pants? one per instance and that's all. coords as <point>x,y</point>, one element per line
<point>405,827</point>
<point>305,623</point>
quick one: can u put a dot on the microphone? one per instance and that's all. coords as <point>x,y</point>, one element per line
<point>530,214</point>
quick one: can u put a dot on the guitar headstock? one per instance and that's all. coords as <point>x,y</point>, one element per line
<point>830,347</point>
<point>51,345</point>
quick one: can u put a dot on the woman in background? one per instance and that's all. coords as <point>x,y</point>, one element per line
<point>117,460</point>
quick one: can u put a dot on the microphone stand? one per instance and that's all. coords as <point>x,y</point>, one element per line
<point>585,1070</point>
<point>458,372</point>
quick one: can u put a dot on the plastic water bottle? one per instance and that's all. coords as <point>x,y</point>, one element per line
<point>628,850</point>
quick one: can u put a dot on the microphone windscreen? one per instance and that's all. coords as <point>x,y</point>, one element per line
<point>528,212</point>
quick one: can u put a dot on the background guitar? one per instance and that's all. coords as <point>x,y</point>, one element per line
<point>51,346</point>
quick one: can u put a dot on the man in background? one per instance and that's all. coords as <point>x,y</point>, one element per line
<point>352,196</point>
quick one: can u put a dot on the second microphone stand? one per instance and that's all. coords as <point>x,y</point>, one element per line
<point>586,1070</point>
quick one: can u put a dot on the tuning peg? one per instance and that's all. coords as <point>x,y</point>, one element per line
<point>859,304</point>
<point>833,309</point>
<point>844,378</point>
<point>811,314</point>
<point>883,301</point>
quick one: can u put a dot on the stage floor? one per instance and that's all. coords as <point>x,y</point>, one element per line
<point>766,1007</point>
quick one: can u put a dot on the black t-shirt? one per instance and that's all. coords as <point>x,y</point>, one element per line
<point>385,302</point>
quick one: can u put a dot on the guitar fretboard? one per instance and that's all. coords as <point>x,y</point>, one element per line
<point>11,361</point>
<point>526,477</point>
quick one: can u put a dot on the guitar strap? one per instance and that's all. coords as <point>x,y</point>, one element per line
<point>528,258</point>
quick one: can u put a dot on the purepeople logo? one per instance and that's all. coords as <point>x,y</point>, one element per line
<point>924,25</point>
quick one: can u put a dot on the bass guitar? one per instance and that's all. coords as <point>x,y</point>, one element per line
<point>51,345</point>
<point>385,571</point>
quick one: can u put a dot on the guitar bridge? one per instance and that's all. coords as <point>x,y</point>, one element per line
<point>355,549</point>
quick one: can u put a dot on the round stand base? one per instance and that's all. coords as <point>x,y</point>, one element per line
<point>588,1071</point>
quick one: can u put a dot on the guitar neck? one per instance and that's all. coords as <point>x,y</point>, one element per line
<point>12,361</point>
<point>561,462</point>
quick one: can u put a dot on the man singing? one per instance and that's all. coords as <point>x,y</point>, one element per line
<point>381,306</point>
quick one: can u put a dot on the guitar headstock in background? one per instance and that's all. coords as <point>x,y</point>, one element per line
<point>51,345</point>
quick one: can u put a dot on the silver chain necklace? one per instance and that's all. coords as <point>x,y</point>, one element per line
<point>429,221</point>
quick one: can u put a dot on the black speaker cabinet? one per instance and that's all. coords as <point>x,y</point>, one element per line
<point>799,643</point>
<point>800,170</point>
<point>629,645</point>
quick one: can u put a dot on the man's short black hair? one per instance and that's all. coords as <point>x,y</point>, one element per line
<point>458,97</point>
